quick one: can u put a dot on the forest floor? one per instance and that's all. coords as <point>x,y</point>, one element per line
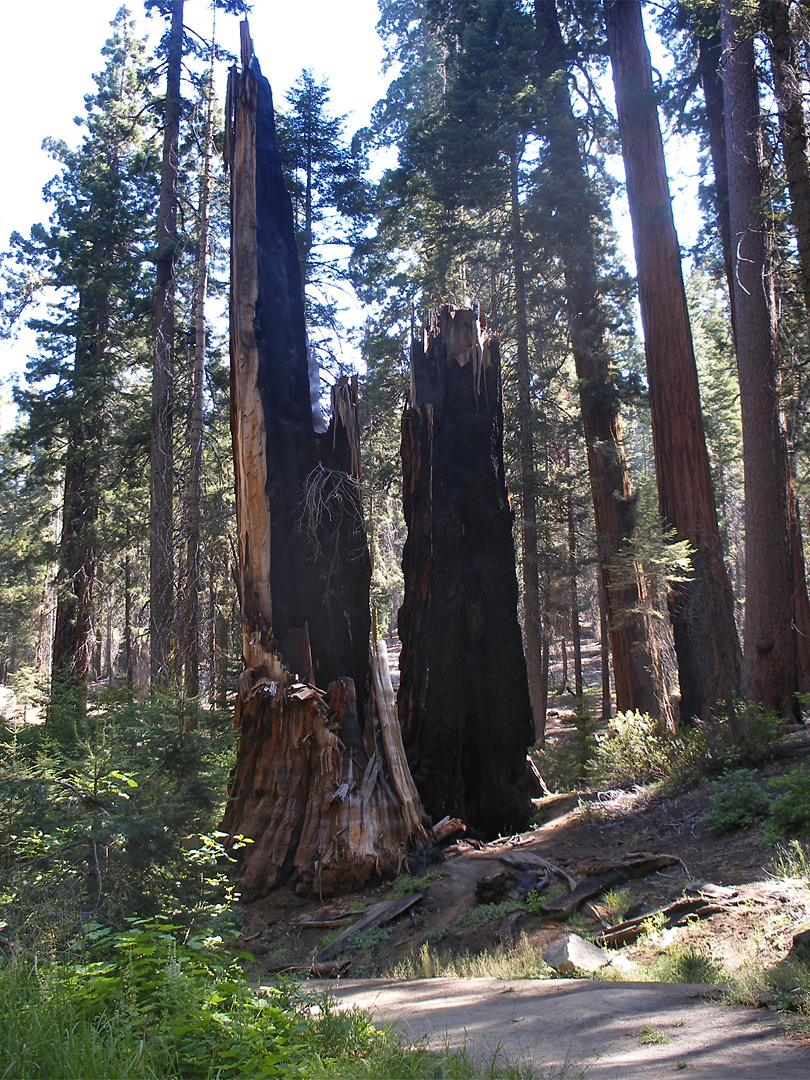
<point>449,933</point>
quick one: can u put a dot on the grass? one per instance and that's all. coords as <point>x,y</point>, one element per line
<point>652,1036</point>
<point>792,861</point>
<point>784,988</point>
<point>518,961</point>
<point>66,1023</point>
<point>685,964</point>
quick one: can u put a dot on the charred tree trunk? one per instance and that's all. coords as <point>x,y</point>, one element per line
<point>702,609</point>
<point>776,591</point>
<point>613,503</point>
<point>321,784</point>
<point>463,698</point>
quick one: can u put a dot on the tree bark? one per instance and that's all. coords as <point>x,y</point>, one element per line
<point>710,51</point>
<point>532,618</point>
<point>189,631</point>
<point>73,637</point>
<point>613,503</point>
<point>321,783</point>
<point>161,572</point>
<point>463,699</point>
<point>701,609</point>
<point>792,127</point>
<point>776,591</point>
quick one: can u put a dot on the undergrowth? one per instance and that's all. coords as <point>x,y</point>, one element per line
<point>517,961</point>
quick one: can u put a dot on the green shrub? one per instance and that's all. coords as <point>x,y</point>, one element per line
<point>737,802</point>
<point>632,751</point>
<point>482,914</point>
<point>115,823</point>
<point>790,809</point>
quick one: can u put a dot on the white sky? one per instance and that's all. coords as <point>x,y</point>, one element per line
<point>49,50</point>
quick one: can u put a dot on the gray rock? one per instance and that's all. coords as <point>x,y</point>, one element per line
<point>575,953</point>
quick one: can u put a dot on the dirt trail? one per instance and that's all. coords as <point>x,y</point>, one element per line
<point>575,1027</point>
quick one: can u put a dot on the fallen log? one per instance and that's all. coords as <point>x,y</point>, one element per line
<point>625,933</point>
<point>377,915</point>
<point>633,866</point>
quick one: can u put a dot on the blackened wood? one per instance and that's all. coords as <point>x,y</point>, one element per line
<point>463,696</point>
<point>321,785</point>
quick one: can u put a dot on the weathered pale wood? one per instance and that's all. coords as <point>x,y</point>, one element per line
<point>377,915</point>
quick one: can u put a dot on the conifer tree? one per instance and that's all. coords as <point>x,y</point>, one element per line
<point>93,254</point>
<point>702,608</point>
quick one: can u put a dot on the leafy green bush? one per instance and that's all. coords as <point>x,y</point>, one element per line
<point>737,802</point>
<point>790,810</point>
<point>113,824</point>
<point>632,751</point>
<point>145,1005</point>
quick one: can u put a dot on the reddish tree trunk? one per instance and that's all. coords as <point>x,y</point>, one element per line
<point>701,609</point>
<point>321,784</point>
<point>463,698</point>
<point>776,591</point>
<point>588,322</point>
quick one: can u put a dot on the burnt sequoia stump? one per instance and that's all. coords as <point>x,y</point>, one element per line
<point>463,698</point>
<point>321,784</point>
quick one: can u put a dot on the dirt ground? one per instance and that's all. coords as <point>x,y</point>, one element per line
<point>581,833</point>
<point>568,1028</point>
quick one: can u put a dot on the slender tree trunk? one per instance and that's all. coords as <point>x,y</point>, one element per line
<point>532,622</point>
<point>710,51</point>
<point>321,784</point>
<point>604,653</point>
<point>775,585</point>
<point>576,638</point>
<point>189,636</point>
<point>702,609</point>
<point>792,127</point>
<point>74,638</point>
<point>161,560</point>
<point>577,207</point>
<point>564,658</point>
<point>129,654</point>
<point>463,698</point>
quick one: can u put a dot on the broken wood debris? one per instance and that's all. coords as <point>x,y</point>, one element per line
<point>448,828</point>
<point>625,933</point>
<point>331,970</point>
<point>377,915</point>
<point>632,866</point>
